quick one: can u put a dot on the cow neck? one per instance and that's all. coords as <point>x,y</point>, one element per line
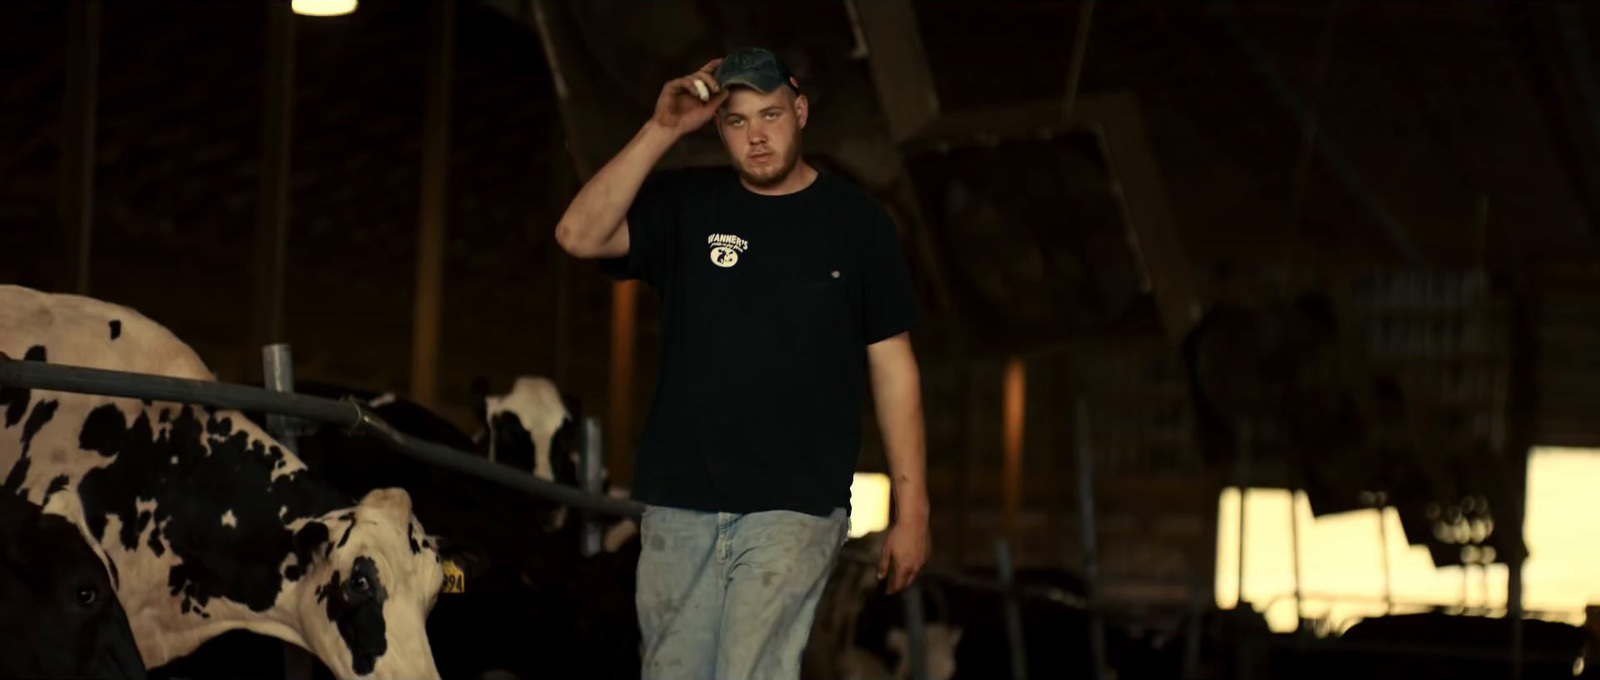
<point>212,488</point>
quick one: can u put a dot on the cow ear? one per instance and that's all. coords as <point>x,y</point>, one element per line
<point>308,540</point>
<point>472,560</point>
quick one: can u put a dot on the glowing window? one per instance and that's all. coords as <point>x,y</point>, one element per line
<point>869,503</point>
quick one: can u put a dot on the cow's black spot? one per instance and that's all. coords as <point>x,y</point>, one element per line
<point>116,329</point>
<point>411,538</point>
<point>131,530</point>
<point>16,399</point>
<point>328,588</point>
<point>356,608</point>
<point>351,526</point>
<point>57,484</point>
<point>36,421</point>
<point>195,471</point>
<point>18,475</point>
<point>513,444</point>
<point>306,541</point>
<point>155,543</point>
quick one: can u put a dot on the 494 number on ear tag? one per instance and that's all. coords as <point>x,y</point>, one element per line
<point>454,580</point>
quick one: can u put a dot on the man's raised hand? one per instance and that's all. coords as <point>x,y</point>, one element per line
<point>679,107</point>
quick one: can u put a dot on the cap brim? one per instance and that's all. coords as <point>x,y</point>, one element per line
<point>763,84</point>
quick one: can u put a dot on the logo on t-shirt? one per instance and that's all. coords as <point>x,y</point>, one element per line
<point>725,249</point>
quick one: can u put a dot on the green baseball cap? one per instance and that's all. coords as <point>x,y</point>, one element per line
<point>755,67</point>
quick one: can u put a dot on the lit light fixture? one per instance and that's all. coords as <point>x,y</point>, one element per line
<point>869,503</point>
<point>324,8</point>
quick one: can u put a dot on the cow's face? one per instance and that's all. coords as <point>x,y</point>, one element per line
<point>940,641</point>
<point>533,427</point>
<point>373,577</point>
<point>59,614</point>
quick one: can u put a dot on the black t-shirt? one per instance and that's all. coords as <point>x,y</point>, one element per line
<point>768,304</point>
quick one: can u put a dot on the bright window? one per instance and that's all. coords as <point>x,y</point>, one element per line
<point>869,503</point>
<point>1341,562</point>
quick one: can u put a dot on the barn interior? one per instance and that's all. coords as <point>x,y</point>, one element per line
<point>1344,255</point>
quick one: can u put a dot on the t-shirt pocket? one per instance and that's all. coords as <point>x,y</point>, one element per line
<point>816,303</point>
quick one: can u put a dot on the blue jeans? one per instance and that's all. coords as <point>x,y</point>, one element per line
<point>725,596</point>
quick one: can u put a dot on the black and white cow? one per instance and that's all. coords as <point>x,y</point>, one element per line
<point>535,426</point>
<point>859,632</point>
<point>59,616</point>
<point>533,606</point>
<point>209,524</point>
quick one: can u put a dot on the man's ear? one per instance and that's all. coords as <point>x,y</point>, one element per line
<point>802,109</point>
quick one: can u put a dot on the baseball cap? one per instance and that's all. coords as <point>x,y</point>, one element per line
<point>755,67</point>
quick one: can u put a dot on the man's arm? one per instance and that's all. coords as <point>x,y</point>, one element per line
<point>897,395</point>
<point>595,223</point>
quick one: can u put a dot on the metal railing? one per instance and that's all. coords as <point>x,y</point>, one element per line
<point>350,413</point>
<point>282,405</point>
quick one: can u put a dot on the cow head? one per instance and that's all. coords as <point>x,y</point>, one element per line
<point>59,613</point>
<point>534,427</point>
<point>371,575</point>
<point>940,640</point>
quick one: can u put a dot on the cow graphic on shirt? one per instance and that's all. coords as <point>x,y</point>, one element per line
<point>725,249</point>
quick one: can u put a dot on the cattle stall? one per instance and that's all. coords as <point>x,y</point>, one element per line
<point>283,406</point>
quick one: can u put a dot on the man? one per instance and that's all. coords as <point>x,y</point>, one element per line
<point>784,294</point>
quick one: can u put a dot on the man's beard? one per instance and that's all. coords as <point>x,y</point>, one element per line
<point>778,174</point>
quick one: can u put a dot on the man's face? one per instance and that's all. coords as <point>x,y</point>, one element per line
<point>762,132</point>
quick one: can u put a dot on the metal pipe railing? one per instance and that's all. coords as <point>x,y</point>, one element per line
<point>349,413</point>
<point>355,416</point>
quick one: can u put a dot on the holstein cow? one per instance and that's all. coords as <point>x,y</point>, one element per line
<point>859,632</point>
<point>59,616</point>
<point>535,426</point>
<point>209,524</point>
<point>532,606</point>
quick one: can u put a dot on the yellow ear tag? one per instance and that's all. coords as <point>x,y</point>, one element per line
<point>454,580</point>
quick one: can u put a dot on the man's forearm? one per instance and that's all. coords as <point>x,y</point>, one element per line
<point>897,393</point>
<point>597,212</point>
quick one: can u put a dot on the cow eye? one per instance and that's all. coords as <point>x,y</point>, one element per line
<point>87,595</point>
<point>360,583</point>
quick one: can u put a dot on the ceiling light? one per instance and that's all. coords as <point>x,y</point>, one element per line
<point>324,8</point>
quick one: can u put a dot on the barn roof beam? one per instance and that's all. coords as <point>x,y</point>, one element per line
<point>1399,234</point>
<point>898,63</point>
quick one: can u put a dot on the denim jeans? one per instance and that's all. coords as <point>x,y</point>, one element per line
<point>725,596</point>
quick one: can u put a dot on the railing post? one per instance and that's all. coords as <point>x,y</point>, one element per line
<point>1013,614</point>
<point>592,470</point>
<point>277,371</point>
<point>1087,529</point>
<point>916,631</point>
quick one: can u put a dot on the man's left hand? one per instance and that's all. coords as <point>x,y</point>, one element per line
<point>905,551</point>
